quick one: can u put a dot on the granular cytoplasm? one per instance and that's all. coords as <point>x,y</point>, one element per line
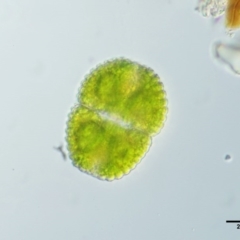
<point>121,105</point>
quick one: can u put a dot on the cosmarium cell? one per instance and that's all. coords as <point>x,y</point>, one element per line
<point>122,104</point>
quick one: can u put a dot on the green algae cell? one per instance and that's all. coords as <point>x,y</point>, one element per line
<point>122,104</point>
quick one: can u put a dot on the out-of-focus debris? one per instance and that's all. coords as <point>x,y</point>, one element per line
<point>211,8</point>
<point>232,18</point>
<point>60,149</point>
<point>229,55</point>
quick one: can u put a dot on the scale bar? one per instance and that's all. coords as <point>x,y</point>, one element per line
<point>233,221</point>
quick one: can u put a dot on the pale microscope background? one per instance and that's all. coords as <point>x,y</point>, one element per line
<point>183,189</point>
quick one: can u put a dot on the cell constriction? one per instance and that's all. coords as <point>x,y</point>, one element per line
<point>121,105</point>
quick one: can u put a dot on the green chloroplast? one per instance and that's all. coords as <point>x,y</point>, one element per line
<point>121,105</point>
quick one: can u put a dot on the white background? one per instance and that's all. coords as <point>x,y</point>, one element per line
<point>182,190</point>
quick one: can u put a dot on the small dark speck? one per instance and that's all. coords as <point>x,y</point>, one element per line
<point>13,169</point>
<point>228,157</point>
<point>60,149</point>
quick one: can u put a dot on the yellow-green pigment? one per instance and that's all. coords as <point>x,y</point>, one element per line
<point>122,104</point>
